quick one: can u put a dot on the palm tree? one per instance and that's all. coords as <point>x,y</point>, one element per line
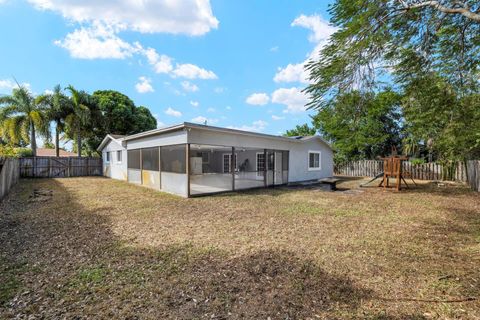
<point>58,110</point>
<point>78,116</point>
<point>20,116</point>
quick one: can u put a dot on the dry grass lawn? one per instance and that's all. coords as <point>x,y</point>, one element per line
<point>99,248</point>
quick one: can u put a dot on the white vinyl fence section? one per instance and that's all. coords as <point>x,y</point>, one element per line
<point>9,175</point>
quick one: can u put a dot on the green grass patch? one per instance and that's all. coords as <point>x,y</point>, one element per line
<point>10,285</point>
<point>88,277</point>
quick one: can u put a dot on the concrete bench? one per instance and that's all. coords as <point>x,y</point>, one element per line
<point>330,182</point>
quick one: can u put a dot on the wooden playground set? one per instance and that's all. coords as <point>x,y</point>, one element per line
<point>393,169</point>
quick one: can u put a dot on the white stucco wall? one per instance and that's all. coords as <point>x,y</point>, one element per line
<point>164,139</point>
<point>298,164</point>
<point>176,183</point>
<point>114,169</point>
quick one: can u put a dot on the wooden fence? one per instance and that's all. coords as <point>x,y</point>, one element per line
<point>60,167</point>
<point>9,175</point>
<point>426,171</point>
<point>473,174</point>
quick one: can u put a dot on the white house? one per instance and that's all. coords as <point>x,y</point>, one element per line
<point>191,159</point>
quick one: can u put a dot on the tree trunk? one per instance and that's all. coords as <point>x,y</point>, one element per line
<point>79,144</point>
<point>57,142</point>
<point>33,142</point>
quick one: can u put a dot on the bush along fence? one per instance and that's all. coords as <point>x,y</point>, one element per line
<point>9,175</point>
<point>461,171</point>
<point>60,167</point>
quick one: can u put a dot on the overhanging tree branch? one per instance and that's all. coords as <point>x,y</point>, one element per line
<point>462,8</point>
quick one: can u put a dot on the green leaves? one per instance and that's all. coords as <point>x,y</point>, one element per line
<point>301,130</point>
<point>361,125</point>
<point>433,59</point>
<point>19,115</point>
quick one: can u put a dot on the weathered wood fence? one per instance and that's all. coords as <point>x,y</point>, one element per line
<point>426,171</point>
<point>9,175</point>
<point>60,167</point>
<point>473,174</point>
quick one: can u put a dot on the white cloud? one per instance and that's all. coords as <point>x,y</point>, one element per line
<point>194,103</point>
<point>102,21</point>
<point>191,17</point>
<point>161,63</point>
<point>256,126</point>
<point>97,42</point>
<point>274,49</point>
<point>173,112</point>
<point>211,110</point>
<point>258,99</point>
<point>293,98</point>
<point>189,87</point>
<point>7,85</point>
<point>144,85</point>
<point>191,71</point>
<point>276,118</point>
<point>202,119</point>
<point>321,31</point>
<point>292,73</point>
<point>228,108</point>
<point>164,64</point>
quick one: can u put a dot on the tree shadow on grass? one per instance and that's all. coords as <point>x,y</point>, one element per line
<point>75,266</point>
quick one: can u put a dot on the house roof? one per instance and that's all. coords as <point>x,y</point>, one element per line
<point>46,152</point>
<point>187,125</point>
<point>115,137</point>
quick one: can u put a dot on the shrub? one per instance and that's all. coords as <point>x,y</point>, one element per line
<point>16,152</point>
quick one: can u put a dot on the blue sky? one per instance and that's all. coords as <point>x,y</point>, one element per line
<point>235,64</point>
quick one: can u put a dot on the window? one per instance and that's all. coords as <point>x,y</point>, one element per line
<point>133,159</point>
<point>314,160</point>
<point>260,164</point>
<point>205,157</point>
<point>107,157</point>
<point>119,156</point>
<point>226,162</point>
<point>150,159</point>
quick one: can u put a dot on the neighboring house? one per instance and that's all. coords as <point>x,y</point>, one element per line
<point>216,159</point>
<point>45,152</point>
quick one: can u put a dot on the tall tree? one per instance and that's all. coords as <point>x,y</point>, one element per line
<point>428,49</point>
<point>120,114</point>
<point>79,116</point>
<point>143,120</point>
<point>58,108</point>
<point>301,130</point>
<point>406,37</point>
<point>117,114</point>
<point>21,117</point>
<point>361,125</point>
